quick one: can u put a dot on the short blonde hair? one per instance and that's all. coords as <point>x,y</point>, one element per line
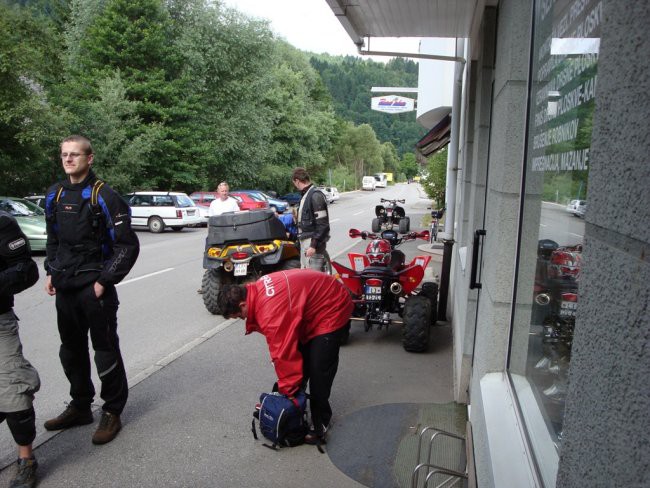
<point>84,141</point>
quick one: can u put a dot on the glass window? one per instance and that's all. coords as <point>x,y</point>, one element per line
<point>555,199</point>
<point>183,201</point>
<point>163,201</point>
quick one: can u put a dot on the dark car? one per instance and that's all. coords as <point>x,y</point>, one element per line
<point>292,198</point>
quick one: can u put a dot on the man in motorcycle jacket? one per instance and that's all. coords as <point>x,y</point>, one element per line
<point>18,378</point>
<point>90,248</point>
<point>304,316</point>
<point>313,219</point>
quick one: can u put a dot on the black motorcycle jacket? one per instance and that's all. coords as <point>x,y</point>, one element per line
<point>313,218</point>
<point>88,243</point>
<point>17,269</point>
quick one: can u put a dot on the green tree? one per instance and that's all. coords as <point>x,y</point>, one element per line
<point>359,151</point>
<point>30,124</point>
<point>390,159</point>
<point>409,165</point>
<point>303,122</point>
<point>349,80</point>
<point>121,143</point>
<point>435,180</point>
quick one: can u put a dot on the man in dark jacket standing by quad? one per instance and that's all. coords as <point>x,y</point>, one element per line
<point>313,223</point>
<point>90,248</point>
<point>18,379</point>
<point>304,316</point>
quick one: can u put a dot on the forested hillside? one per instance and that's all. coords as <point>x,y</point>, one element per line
<point>182,94</point>
<point>349,80</point>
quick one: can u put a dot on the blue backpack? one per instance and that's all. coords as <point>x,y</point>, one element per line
<point>282,421</point>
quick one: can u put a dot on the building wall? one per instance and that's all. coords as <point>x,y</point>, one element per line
<point>607,417</point>
<point>501,214</point>
<point>472,179</point>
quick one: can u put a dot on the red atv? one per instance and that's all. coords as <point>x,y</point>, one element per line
<point>382,284</point>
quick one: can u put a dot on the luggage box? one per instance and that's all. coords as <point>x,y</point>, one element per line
<point>253,226</point>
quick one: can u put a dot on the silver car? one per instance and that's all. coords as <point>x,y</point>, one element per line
<point>30,218</point>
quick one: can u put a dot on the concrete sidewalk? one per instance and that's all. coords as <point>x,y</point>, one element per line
<point>188,424</point>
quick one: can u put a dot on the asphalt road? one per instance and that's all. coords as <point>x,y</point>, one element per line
<point>561,226</point>
<point>161,316</point>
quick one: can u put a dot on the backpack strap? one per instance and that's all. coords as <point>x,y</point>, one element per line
<point>58,194</point>
<point>94,194</point>
<point>98,222</point>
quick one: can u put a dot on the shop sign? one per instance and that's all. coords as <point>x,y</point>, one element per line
<point>392,104</point>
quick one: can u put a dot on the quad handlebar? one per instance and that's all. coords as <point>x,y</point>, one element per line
<point>394,202</point>
<point>405,237</point>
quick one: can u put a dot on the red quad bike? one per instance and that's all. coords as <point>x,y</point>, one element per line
<point>557,279</point>
<point>382,284</point>
<point>390,215</point>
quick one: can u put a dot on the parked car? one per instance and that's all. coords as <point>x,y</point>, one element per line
<point>248,201</point>
<point>30,218</point>
<point>203,198</point>
<point>37,200</point>
<point>331,193</point>
<point>275,204</point>
<point>368,183</point>
<point>157,210</point>
<point>292,198</point>
<point>580,210</point>
<point>572,206</point>
<point>328,197</point>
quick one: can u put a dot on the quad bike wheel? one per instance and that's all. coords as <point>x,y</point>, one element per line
<point>376,225</point>
<point>430,290</point>
<point>212,282</point>
<point>404,225</point>
<point>417,324</point>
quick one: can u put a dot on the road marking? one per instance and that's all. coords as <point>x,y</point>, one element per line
<point>334,220</point>
<point>344,250</point>
<point>144,276</point>
<point>542,225</point>
<point>358,213</point>
<point>577,235</point>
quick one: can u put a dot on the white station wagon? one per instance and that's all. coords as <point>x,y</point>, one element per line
<point>157,210</point>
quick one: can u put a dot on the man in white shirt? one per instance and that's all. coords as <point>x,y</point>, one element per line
<point>224,203</point>
<point>221,205</point>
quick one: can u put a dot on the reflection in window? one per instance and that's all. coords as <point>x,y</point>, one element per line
<point>564,65</point>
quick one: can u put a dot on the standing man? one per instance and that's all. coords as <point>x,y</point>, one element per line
<point>313,221</point>
<point>90,248</point>
<point>224,203</point>
<point>18,379</point>
<point>304,315</point>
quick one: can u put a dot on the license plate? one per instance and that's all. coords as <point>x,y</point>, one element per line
<point>190,212</point>
<point>568,309</point>
<point>373,293</point>
<point>241,269</point>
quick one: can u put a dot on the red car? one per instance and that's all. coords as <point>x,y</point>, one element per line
<point>249,201</point>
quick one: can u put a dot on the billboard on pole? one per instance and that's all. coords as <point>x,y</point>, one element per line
<point>392,104</point>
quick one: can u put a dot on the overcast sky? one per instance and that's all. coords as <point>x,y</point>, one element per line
<point>310,25</point>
